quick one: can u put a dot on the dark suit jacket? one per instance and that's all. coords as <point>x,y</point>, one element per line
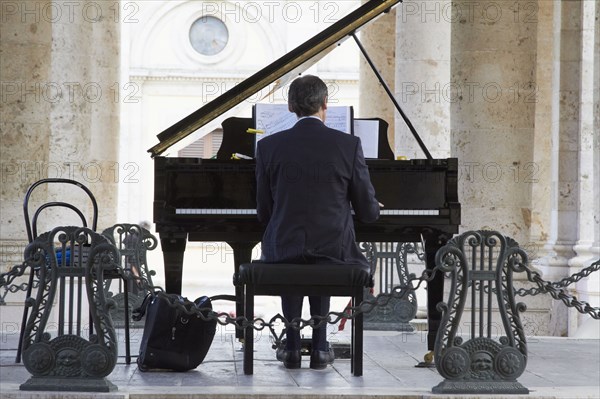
<point>308,179</point>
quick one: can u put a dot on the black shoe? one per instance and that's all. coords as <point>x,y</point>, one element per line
<point>291,359</point>
<point>320,359</point>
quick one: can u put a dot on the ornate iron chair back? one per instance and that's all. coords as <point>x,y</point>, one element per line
<point>133,242</point>
<point>70,263</point>
<point>31,223</point>
<point>481,265</point>
<point>391,261</point>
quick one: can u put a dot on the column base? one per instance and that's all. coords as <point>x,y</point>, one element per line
<point>480,387</point>
<point>68,384</point>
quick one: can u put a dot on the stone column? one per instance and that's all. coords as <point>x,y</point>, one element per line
<point>588,150</point>
<point>26,49</point>
<point>84,121</point>
<point>545,163</point>
<point>59,108</point>
<point>587,246</point>
<point>493,97</point>
<point>423,86</point>
<point>566,179</point>
<point>505,165</point>
<point>545,135</point>
<point>572,235</point>
<point>378,38</point>
<point>136,166</point>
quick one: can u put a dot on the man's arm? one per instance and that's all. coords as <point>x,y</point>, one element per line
<point>362,193</point>
<point>264,199</point>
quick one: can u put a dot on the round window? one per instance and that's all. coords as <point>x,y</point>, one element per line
<point>209,35</point>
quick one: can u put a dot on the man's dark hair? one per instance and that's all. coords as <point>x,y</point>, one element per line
<point>306,95</point>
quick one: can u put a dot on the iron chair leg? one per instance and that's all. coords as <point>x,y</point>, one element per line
<point>24,320</point>
<point>126,317</point>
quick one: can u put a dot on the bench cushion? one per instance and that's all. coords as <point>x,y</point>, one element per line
<point>319,274</point>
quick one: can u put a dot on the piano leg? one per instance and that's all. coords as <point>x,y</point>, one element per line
<point>242,253</point>
<point>435,290</point>
<point>173,247</point>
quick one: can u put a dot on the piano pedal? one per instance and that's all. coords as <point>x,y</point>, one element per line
<point>427,361</point>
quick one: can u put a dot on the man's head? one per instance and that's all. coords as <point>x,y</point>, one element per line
<point>307,96</point>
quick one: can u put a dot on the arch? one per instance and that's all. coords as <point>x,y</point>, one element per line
<point>162,43</point>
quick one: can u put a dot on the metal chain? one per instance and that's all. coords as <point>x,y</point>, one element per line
<point>558,293</point>
<point>553,288</point>
<point>7,278</point>
<point>382,299</point>
<point>259,324</point>
<point>559,284</point>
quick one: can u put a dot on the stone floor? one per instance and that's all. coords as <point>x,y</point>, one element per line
<point>557,368</point>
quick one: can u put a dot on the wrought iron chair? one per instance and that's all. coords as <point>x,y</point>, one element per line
<point>133,242</point>
<point>481,265</point>
<point>70,263</point>
<point>31,225</point>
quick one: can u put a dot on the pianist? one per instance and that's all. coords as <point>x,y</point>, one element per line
<point>309,178</point>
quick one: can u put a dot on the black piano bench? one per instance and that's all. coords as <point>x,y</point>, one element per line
<point>323,279</point>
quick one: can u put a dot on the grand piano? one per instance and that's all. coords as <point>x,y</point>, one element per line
<point>215,199</point>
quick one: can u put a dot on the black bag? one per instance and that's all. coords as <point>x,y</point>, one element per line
<point>173,339</point>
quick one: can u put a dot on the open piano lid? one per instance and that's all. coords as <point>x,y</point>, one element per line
<point>280,71</point>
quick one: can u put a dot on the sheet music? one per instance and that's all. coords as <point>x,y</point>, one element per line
<point>368,131</point>
<point>339,118</point>
<point>273,118</point>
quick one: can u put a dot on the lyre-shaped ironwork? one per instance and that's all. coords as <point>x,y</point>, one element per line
<point>133,242</point>
<point>392,261</point>
<point>70,263</point>
<point>481,265</point>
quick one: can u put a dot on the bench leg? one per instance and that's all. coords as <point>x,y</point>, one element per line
<point>356,365</point>
<point>249,330</point>
<point>25,313</point>
<point>352,338</point>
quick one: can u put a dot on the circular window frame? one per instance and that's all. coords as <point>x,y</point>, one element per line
<point>235,41</point>
<point>208,19</point>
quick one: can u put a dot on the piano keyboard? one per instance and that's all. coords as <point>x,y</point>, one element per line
<point>382,212</point>
<point>211,211</point>
<point>410,212</point>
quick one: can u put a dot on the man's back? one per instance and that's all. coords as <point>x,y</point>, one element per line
<point>307,178</point>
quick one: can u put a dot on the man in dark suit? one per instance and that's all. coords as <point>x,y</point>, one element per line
<point>309,179</point>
